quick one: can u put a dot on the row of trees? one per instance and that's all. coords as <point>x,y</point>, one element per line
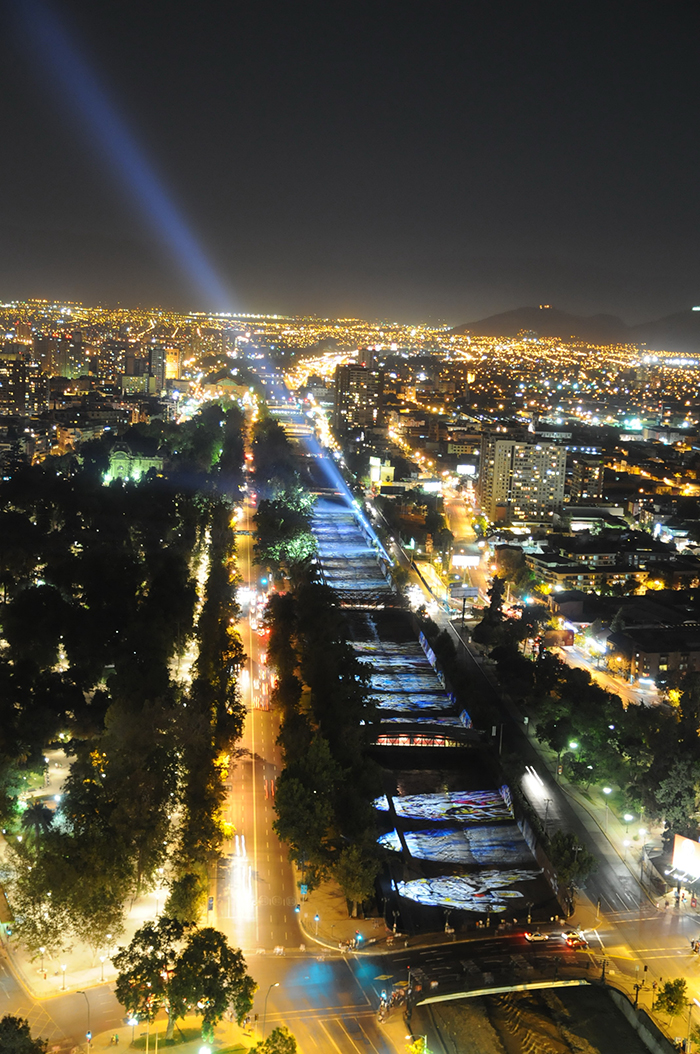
<point>652,753</point>
<point>425,511</point>
<point>324,791</point>
<point>572,862</point>
<point>284,542</point>
<point>100,602</point>
<point>322,691</point>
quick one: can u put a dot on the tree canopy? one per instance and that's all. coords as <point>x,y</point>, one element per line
<point>100,608</point>
<point>280,1041</point>
<point>672,997</point>
<point>178,968</point>
<point>16,1037</point>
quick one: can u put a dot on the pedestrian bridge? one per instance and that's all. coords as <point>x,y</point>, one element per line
<point>527,986</point>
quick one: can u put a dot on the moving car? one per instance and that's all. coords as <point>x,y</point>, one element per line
<point>574,939</point>
<point>535,937</point>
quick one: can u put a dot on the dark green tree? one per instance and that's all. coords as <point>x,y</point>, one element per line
<point>677,796</point>
<point>37,819</point>
<point>16,1037</point>
<point>280,1041</point>
<point>33,625</point>
<point>146,967</point>
<point>496,593</point>
<point>571,860</point>
<point>181,969</point>
<point>304,807</point>
<point>210,978</point>
<point>356,871</point>
<point>672,997</point>
<point>186,900</point>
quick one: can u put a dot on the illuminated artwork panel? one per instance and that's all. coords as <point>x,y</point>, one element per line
<point>389,648</point>
<point>405,702</point>
<point>485,891</point>
<point>475,845</point>
<point>406,682</point>
<point>388,663</point>
<point>419,719</point>
<point>459,806</point>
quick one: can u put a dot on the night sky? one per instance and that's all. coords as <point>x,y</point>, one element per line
<point>421,161</point>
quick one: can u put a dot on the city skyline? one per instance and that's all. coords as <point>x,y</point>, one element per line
<point>396,162</point>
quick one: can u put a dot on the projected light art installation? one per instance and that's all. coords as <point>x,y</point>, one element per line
<point>484,891</point>
<point>337,481</point>
<point>386,663</point>
<point>404,682</point>
<point>404,702</point>
<point>454,722</point>
<point>463,806</point>
<point>475,845</point>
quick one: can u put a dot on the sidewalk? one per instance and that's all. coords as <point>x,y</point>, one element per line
<point>624,837</point>
<point>227,1037</point>
<point>44,977</point>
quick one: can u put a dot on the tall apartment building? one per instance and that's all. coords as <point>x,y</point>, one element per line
<point>157,360</point>
<point>61,357</point>
<point>111,356</point>
<point>520,480</point>
<point>358,398</point>
<point>173,362</point>
<point>24,389</point>
<point>587,482</point>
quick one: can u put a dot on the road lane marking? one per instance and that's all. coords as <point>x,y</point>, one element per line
<point>331,1038</point>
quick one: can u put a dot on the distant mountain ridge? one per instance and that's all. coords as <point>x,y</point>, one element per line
<point>679,332</point>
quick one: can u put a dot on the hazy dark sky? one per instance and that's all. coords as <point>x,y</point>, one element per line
<point>413,160</point>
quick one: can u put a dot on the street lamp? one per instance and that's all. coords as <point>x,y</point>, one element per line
<point>42,953</point>
<point>547,803</point>
<point>317,919</point>
<point>102,965</point>
<point>425,1041</point>
<point>88,1033</point>
<point>606,792</point>
<point>63,968</point>
<point>133,1021</point>
<point>628,818</point>
<point>275,984</point>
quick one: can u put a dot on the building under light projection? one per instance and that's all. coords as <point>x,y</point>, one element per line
<point>127,463</point>
<point>358,398</point>
<point>520,480</point>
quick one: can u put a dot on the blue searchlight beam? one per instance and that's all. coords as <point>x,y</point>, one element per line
<point>55,52</point>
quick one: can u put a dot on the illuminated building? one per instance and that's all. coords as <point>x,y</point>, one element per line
<point>61,356</point>
<point>126,463</point>
<point>24,389</point>
<point>519,480</point>
<point>111,358</point>
<point>587,480</point>
<point>157,360</point>
<point>358,398</point>
<point>173,363</point>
